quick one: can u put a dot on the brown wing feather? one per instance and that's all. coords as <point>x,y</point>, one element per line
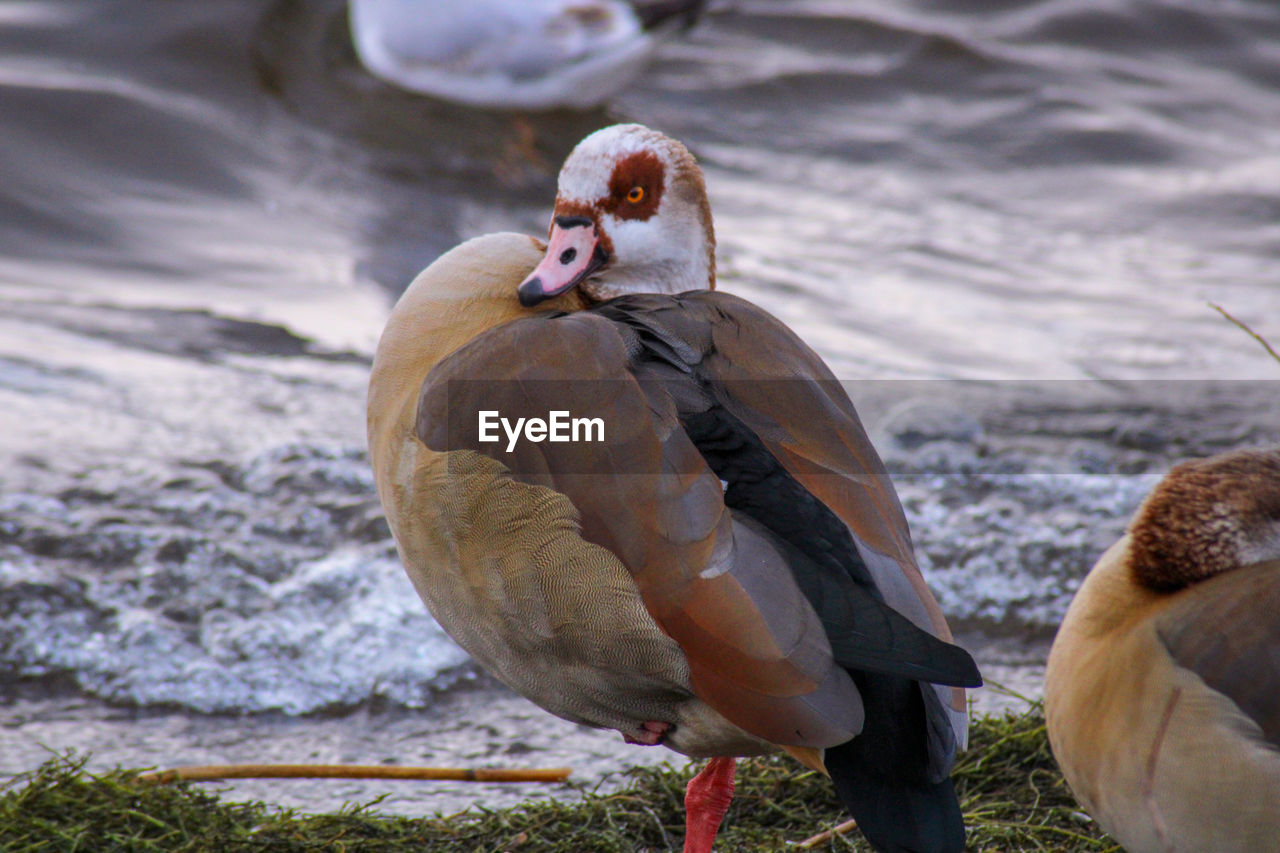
<point>784,391</point>
<point>757,651</point>
<point>1227,631</point>
<point>786,394</point>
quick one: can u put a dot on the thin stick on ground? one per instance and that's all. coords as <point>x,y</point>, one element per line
<point>827,835</point>
<point>215,772</point>
<point>1257,337</point>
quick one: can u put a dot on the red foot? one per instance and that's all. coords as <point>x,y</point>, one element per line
<point>705,801</point>
<point>649,734</point>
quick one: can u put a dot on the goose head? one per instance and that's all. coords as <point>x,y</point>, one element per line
<point>631,216</point>
<point>1207,517</point>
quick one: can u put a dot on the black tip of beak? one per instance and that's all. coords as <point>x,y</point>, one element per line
<point>530,293</point>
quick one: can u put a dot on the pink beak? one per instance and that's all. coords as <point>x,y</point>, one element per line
<point>573,254</point>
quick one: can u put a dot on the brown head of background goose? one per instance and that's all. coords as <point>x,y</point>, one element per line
<point>728,571</point>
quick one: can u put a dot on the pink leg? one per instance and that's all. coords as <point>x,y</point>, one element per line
<point>649,734</point>
<point>705,801</point>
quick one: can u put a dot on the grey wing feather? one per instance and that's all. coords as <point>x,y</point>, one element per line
<point>1227,631</point>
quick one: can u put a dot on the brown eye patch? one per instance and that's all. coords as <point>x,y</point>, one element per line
<point>635,187</point>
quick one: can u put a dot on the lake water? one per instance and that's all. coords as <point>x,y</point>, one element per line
<point>1001,227</point>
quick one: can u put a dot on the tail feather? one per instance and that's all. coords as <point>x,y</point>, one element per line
<point>902,818</point>
<point>884,778</point>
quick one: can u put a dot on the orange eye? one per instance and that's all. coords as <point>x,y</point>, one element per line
<point>636,195</point>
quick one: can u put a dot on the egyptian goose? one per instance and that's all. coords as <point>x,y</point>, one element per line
<point>729,571</point>
<point>521,54</point>
<point>1162,693</point>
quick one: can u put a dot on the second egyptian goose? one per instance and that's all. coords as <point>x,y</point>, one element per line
<point>728,572</point>
<point>1162,694</point>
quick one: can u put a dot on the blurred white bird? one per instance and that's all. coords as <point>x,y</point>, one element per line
<point>524,54</point>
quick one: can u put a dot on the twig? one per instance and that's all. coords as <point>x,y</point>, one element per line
<point>823,837</point>
<point>213,772</point>
<point>1257,337</point>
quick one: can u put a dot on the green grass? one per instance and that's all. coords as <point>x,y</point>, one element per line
<point>1012,793</point>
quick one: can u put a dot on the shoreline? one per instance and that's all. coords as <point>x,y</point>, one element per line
<point>777,803</point>
<point>478,723</point>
